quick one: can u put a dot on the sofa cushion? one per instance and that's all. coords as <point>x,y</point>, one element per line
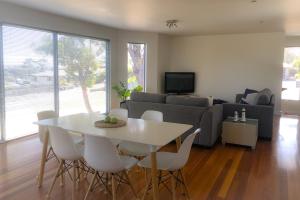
<point>172,113</point>
<point>187,101</point>
<point>264,97</point>
<point>148,97</point>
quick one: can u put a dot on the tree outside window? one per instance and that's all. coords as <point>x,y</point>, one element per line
<point>136,65</point>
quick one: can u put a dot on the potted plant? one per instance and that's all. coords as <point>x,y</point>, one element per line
<point>123,92</point>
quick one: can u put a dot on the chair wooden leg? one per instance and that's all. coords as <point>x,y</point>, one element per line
<point>77,172</point>
<point>130,184</point>
<point>146,175</point>
<point>113,187</point>
<point>90,186</point>
<point>184,184</point>
<point>74,180</point>
<point>62,176</point>
<point>56,176</point>
<point>146,189</point>
<point>173,182</point>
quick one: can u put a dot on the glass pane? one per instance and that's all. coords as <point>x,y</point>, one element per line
<point>82,75</point>
<point>136,65</point>
<point>291,74</point>
<point>28,77</point>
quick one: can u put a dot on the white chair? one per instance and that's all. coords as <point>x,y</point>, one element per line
<point>173,163</point>
<point>102,155</point>
<point>68,152</point>
<point>141,150</point>
<point>119,113</point>
<point>47,114</point>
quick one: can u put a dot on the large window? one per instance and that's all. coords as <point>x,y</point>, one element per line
<point>136,65</point>
<point>82,74</point>
<point>291,74</point>
<point>44,70</point>
<point>28,79</point>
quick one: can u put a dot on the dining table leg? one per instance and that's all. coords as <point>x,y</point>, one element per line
<point>154,176</point>
<point>43,159</point>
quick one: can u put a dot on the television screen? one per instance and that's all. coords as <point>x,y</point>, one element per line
<point>179,82</point>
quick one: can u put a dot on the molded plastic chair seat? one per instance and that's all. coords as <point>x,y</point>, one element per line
<point>102,155</point>
<point>119,113</point>
<point>135,149</point>
<point>66,150</point>
<point>78,139</point>
<point>128,162</point>
<point>164,161</point>
<point>172,163</point>
<point>141,150</point>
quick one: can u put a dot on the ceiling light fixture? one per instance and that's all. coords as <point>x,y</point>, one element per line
<point>172,23</point>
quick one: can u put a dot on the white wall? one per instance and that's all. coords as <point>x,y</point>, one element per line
<point>227,64</point>
<point>18,15</point>
<point>164,42</point>
<point>151,41</point>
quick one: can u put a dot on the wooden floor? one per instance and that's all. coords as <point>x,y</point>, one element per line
<point>272,171</point>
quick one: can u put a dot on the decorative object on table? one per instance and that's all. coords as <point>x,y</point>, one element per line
<point>110,122</point>
<point>243,119</point>
<point>210,100</point>
<point>123,92</point>
<point>236,116</point>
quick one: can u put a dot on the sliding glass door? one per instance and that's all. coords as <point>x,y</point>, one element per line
<point>82,74</point>
<point>28,79</point>
<point>44,70</point>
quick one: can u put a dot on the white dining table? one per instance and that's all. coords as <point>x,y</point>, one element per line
<point>151,133</point>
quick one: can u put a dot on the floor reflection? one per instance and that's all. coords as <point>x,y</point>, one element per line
<point>287,146</point>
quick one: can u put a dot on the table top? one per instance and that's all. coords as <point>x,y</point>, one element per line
<point>248,121</point>
<point>137,130</point>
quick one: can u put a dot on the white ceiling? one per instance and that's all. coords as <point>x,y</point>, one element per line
<point>195,16</point>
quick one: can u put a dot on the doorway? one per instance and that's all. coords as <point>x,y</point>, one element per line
<point>290,96</point>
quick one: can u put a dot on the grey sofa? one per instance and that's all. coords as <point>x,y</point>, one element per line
<point>264,113</point>
<point>180,109</point>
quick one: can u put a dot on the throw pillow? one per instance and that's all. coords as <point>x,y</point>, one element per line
<point>264,97</point>
<point>246,93</point>
<point>249,91</point>
<point>250,99</point>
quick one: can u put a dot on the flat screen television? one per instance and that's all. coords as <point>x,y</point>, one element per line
<point>179,82</point>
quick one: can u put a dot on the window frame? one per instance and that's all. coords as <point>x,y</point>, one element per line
<point>55,34</point>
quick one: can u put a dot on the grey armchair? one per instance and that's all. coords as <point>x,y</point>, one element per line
<point>264,114</point>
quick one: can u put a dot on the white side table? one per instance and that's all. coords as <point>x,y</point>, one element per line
<point>242,133</point>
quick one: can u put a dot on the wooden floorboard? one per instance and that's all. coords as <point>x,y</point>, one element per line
<point>271,172</point>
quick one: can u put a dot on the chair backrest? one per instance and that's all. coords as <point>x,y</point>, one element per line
<point>63,145</point>
<point>152,115</point>
<point>47,114</point>
<point>184,151</point>
<point>119,113</point>
<point>101,154</point>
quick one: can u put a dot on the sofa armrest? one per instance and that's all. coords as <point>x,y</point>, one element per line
<point>210,125</point>
<point>264,114</point>
<point>123,104</point>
